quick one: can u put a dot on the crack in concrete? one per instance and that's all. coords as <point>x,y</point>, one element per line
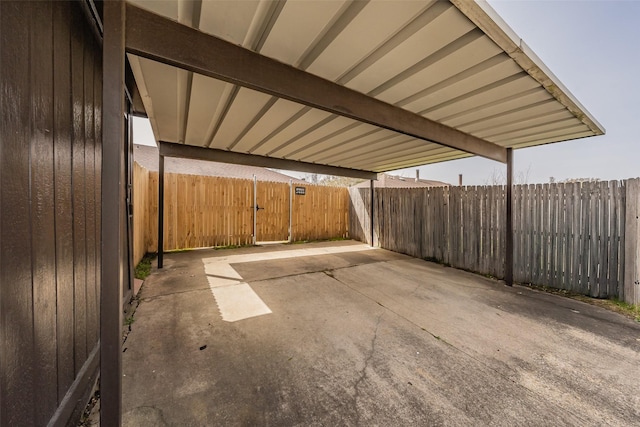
<point>158,412</point>
<point>498,372</point>
<point>169,294</point>
<point>418,286</point>
<point>363,371</point>
<point>327,271</point>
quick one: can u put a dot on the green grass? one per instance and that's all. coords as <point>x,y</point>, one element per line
<point>628,310</point>
<point>143,269</point>
<point>331,239</point>
<point>230,247</point>
<point>178,251</point>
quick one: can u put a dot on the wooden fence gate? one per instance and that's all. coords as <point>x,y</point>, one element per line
<point>272,211</point>
<point>207,211</point>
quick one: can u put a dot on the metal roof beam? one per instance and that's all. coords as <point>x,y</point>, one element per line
<point>158,38</point>
<point>169,149</point>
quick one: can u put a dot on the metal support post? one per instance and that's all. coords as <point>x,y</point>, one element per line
<point>160,211</point>
<point>113,209</point>
<point>255,208</point>
<point>508,268</point>
<point>290,211</point>
<point>372,209</point>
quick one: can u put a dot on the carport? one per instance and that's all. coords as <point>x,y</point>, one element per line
<point>342,88</point>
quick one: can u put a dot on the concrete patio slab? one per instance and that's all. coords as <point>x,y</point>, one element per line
<point>360,336</point>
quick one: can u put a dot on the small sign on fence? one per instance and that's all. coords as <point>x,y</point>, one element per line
<point>300,191</point>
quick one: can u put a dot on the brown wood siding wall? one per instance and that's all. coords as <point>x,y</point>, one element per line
<point>50,133</point>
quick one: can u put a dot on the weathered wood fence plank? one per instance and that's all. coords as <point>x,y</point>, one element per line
<point>567,236</point>
<point>631,288</point>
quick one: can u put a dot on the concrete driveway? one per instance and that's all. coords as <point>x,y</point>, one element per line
<point>337,333</point>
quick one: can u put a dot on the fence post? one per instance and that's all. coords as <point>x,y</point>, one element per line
<point>113,201</point>
<point>290,210</point>
<point>631,285</point>
<point>160,210</point>
<point>255,209</point>
<point>372,208</point>
<point>508,268</point>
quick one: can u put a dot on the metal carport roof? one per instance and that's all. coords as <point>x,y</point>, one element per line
<point>454,63</point>
<point>340,87</point>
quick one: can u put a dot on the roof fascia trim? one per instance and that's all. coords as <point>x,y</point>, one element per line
<point>488,20</point>
<point>161,39</point>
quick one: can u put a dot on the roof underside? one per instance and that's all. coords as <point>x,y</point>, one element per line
<point>457,65</point>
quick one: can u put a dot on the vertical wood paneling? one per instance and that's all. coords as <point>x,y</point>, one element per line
<point>492,207</point>
<point>518,224</point>
<point>78,189</point>
<point>63,199</point>
<point>50,82</point>
<point>273,218</point>
<point>141,191</point>
<point>553,234</point>
<point>90,197</point>
<point>630,278</point>
<point>203,211</point>
<point>460,226</point>
<point>605,238</point>
<point>486,231</point>
<point>97,117</point>
<point>537,233</point>
<point>593,239</point>
<point>566,235</point>
<point>569,249</point>
<point>585,195</point>
<point>42,214</point>
<point>546,244</point>
<point>3,133</point>
<point>623,238</point>
<point>359,214</point>
<point>562,232</point>
<point>523,262</point>
<point>576,239</point>
<point>322,213</point>
<point>16,294</point>
<point>614,224</point>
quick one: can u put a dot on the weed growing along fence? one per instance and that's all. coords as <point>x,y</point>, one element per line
<point>566,236</point>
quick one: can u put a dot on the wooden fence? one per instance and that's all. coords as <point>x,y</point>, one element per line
<point>567,236</point>
<point>322,213</point>
<point>203,211</point>
<point>140,212</point>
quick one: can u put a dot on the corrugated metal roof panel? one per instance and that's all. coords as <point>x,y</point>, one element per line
<point>453,62</point>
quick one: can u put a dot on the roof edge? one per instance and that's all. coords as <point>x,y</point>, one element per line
<point>488,20</point>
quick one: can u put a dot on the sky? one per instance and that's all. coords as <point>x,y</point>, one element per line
<point>592,47</point>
